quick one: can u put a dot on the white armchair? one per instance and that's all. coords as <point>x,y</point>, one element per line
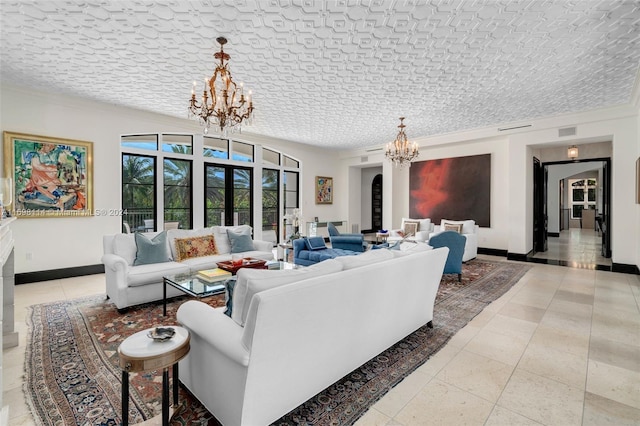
<point>467,228</point>
<point>421,228</point>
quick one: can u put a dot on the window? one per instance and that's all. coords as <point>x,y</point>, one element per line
<point>158,186</point>
<point>582,196</point>
<point>228,186</point>
<point>181,144</point>
<point>140,142</point>
<point>139,191</point>
<point>270,200</point>
<point>216,148</point>
<point>177,192</point>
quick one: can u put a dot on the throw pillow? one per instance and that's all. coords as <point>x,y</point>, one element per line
<point>410,227</point>
<point>229,286</point>
<point>239,242</point>
<point>315,243</point>
<point>187,248</point>
<point>453,227</point>
<point>154,250</point>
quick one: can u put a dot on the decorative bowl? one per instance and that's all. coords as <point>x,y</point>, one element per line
<point>160,334</point>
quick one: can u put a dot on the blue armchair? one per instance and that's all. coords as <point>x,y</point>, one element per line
<point>353,242</point>
<point>456,243</point>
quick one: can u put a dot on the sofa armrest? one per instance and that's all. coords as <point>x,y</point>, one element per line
<point>215,328</point>
<point>114,262</point>
<point>421,236</point>
<point>262,245</point>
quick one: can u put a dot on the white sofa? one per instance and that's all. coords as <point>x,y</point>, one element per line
<point>293,333</point>
<point>128,284</point>
<point>469,230</point>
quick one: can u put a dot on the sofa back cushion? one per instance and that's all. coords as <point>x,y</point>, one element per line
<point>187,248</point>
<point>124,245</point>
<point>173,234</point>
<point>315,243</point>
<point>222,238</point>
<point>151,250</point>
<point>423,224</point>
<point>240,242</point>
<point>468,226</point>
<point>366,258</point>
<point>251,281</point>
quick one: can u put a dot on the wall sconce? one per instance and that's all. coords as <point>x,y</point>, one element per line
<point>572,152</point>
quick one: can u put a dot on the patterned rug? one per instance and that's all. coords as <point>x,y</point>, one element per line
<point>72,375</point>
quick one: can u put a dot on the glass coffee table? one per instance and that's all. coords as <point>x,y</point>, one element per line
<point>192,285</point>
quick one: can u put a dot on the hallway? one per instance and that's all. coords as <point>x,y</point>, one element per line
<point>576,247</point>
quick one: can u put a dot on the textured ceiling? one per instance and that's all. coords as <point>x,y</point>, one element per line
<point>335,73</point>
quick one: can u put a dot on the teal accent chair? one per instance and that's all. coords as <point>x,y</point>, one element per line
<point>456,243</point>
<point>353,242</point>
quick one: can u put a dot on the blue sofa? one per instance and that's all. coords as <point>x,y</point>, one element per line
<point>354,242</point>
<point>305,255</point>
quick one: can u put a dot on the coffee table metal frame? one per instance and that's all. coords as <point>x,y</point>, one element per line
<point>192,285</point>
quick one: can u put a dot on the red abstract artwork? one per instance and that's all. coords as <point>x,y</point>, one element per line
<point>452,188</point>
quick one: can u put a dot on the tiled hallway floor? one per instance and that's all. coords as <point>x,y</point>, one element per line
<point>582,248</point>
<point>562,347</point>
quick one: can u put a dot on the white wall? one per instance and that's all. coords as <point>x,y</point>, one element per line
<point>55,243</point>
<point>512,174</point>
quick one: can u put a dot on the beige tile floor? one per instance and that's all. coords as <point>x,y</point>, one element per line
<point>582,247</point>
<point>562,347</point>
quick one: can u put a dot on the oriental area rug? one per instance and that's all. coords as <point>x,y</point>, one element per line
<point>72,375</point>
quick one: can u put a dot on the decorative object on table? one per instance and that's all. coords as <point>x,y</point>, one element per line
<point>249,262</point>
<point>466,181</point>
<point>223,102</point>
<point>324,190</point>
<point>160,334</point>
<point>95,327</point>
<point>400,152</point>
<point>294,218</point>
<point>51,177</point>
<point>213,275</point>
<point>6,197</point>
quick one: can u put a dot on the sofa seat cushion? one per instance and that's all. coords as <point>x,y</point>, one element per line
<point>257,254</point>
<point>153,273</point>
<point>196,264</point>
<point>321,255</point>
<point>251,281</point>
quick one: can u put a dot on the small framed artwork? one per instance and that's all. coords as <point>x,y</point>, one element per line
<point>324,190</point>
<point>51,177</point>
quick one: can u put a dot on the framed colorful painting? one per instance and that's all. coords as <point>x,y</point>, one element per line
<point>52,177</point>
<point>324,190</point>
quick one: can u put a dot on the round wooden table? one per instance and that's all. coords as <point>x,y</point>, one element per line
<point>139,352</point>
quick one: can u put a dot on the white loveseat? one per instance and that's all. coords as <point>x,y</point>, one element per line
<point>468,229</point>
<point>129,284</point>
<point>294,332</point>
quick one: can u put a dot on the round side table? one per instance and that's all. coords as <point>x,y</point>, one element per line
<point>139,352</point>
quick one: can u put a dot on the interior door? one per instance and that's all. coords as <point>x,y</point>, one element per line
<point>539,206</point>
<point>606,208</point>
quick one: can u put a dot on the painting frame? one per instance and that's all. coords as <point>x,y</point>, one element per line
<point>324,190</point>
<point>52,177</point>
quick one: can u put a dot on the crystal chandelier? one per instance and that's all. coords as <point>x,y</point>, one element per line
<point>223,103</point>
<point>401,151</point>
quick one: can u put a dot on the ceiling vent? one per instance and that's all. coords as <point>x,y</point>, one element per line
<point>364,159</point>
<point>567,131</point>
